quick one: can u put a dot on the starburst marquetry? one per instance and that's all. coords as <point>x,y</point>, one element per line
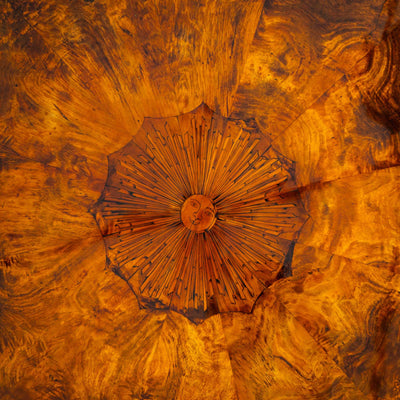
<point>194,214</point>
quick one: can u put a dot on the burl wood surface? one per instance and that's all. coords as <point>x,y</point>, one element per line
<point>320,80</point>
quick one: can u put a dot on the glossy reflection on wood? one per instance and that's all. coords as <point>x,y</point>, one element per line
<point>382,82</point>
<point>193,217</point>
<point>315,82</point>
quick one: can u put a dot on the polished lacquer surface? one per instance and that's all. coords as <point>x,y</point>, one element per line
<point>199,199</point>
<point>198,214</point>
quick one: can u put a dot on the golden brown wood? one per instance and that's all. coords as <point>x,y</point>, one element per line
<point>148,220</point>
<point>381,84</point>
<point>315,82</point>
<point>198,213</point>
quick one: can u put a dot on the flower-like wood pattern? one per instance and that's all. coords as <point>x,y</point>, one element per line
<point>195,214</point>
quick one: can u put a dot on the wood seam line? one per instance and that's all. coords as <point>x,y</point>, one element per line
<point>392,289</point>
<point>344,75</point>
<point>52,50</point>
<point>234,91</point>
<point>308,108</point>
<point>229,356</point>
<point>168,65</point>
<point>351,379</point>
<point>318,184</point>
<point>55,53</point>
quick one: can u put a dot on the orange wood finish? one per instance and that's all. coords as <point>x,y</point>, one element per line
<point>96,95</point>
<point>198,213</point>
<point>198,168</point>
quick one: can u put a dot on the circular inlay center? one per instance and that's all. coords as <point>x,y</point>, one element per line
<point>198,213</point>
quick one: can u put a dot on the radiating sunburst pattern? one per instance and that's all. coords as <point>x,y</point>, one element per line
<point>195,215</point>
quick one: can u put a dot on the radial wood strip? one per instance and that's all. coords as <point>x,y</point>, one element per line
<point>169,265</point>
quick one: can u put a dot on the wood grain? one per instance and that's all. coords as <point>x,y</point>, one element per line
<point>141,214</point>
<point>350,315</point>
<point>367,215</point>
<point>300,50</point>
<point>316,83</point>
<point>380,86</point>
<point>274,356</point>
